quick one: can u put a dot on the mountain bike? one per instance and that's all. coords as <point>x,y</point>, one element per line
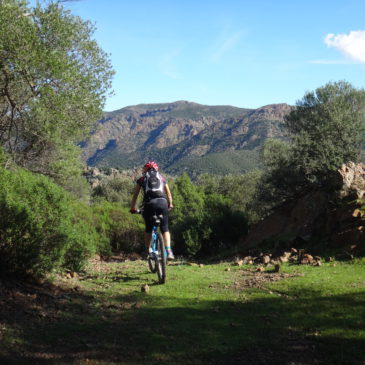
<point>157,258</point>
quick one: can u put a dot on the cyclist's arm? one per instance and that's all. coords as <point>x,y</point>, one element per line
<point>168,196</point>
<point>135,197</point>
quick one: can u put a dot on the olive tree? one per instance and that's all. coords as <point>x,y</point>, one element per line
<point>53,82</point>
<point>326,129</point>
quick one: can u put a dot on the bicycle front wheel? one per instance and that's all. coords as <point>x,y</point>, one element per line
<point>161,259</point>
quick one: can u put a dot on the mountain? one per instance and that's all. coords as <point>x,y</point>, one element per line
<point>184,135</point>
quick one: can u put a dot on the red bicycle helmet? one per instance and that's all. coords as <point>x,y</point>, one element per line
<point>150,165</point>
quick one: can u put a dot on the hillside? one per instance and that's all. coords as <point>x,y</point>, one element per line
<point>184,135</point>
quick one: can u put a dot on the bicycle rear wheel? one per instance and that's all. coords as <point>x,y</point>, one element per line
<point>161,259</point>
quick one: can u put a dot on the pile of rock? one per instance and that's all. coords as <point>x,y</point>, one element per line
<point>294,256</point>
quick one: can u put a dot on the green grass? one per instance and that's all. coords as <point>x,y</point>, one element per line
<point>202,315</point>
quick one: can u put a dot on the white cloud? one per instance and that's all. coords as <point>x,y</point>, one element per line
<point>352,45</point>
<point>225,45</point>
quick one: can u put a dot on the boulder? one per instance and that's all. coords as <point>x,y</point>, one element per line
<point>352,179</point>
<point>314,214</point>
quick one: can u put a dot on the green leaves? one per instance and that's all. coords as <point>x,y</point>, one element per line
<point>53,79</point>
<point>203,221</point>
<point>325,130</point>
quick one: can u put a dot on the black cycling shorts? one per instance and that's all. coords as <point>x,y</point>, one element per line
<point>156,206</point>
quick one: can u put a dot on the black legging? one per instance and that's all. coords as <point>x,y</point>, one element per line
<point>156,206</point>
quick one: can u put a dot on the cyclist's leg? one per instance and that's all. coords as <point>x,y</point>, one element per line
<point>147,214</point>
<point>164,227</point>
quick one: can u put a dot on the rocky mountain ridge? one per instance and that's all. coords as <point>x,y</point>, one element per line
<point>179,132</point>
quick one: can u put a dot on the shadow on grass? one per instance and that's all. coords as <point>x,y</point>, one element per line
<point>137,329</point>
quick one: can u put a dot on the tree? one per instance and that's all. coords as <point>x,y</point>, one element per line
<point>187,216</point>
<point>53,83</point>
<point>326,129</point>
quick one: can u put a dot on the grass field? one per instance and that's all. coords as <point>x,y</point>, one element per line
<point>204,314</point>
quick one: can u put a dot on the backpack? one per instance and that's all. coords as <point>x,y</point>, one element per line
<point>153,185</point>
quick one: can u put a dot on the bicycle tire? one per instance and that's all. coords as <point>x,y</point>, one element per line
<point>161,259</point>
<point>152,263</point>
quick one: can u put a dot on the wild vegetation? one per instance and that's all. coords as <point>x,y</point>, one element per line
<point>55,227</point>
<point>325,130</point>
<point>54,81</point>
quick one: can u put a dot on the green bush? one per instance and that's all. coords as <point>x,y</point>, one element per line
<point>83,238</point>
<point>42,227</point>
<point>115,189</point>
<point>37,227</point>
<point>123,230</point>
<point>223,226</point>
<point>202,222</point>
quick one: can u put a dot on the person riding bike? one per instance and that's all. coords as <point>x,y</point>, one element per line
<point>157,199</point>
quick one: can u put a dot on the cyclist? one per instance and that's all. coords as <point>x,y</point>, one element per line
<point>156,199</point>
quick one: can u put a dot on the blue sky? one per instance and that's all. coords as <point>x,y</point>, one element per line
<point>244,53</point>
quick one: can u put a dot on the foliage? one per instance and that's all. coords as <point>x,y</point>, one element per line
<point>53,79</point>
<point>83,237</point>
<point>218,163</point>
<point>325,130</point>
<point>241,190</point>
<point>123,231</point>
<point>203,223</point>
<point>187,216</point>
<point>38,226</point>
<point>116,189</point>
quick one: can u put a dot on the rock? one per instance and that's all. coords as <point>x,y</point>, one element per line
<point>238,263</point>
<point>317,263</point>
<point>293,258</point>
<point>352,178</point>
<point>314,211</point>
<point>246,259</point>
<point>145,288</point>
<point>283,259</point>
<point>265,259</point>
<point>306,259</point>
<point>201,265</point>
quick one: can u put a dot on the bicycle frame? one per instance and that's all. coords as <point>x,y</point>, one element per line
<point>157,260</point>
<point>154,240</point>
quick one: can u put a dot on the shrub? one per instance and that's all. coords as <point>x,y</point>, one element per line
<point>203,223</point>
<point>115,189</point>
<point>123,231</point>
<point>42,227</point>
<point>33,223</point>
<point>83,238</point>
